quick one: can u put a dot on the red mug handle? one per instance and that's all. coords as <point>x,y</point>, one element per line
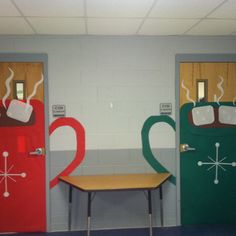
<point>80,145</point>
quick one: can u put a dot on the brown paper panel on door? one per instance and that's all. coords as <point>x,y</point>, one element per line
<point>6,121</point>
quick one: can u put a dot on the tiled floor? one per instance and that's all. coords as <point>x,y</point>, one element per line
<point>167,231</point>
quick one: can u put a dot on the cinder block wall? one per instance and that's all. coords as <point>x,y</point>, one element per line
<point>112,85</point>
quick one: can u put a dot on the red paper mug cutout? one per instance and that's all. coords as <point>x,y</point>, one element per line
<point>80,145</point>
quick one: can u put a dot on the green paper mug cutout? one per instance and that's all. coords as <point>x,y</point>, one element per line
<point>147,151</point>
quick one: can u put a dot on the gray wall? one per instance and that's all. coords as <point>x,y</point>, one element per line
<point>112,85</point>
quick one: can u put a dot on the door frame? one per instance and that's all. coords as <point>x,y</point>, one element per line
<point>180,58</point>
<point>43,58</point>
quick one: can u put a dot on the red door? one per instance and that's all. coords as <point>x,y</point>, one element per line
<point>22,143</point>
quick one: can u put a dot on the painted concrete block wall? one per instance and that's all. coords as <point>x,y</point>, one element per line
<point>112,89</point>
<point>112,85</point>
<point>115,90</point>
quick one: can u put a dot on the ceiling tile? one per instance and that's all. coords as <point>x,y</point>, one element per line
<point>227,10</point>
<point>118,8</point>
<point>214,27</point>
<point>14,25</point>
<point>47,8</point>
<point>113,26</point>
<point>183,8</point>
<point>55,26</point>
<point>166,26</point>
<point>8,9</point>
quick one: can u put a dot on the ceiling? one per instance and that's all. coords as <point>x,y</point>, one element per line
<point>117,17</point>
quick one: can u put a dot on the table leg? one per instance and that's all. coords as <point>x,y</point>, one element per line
<point>161,205</point>
<point>89,214</point>
<point>150,211</point>
<point>70,208</point>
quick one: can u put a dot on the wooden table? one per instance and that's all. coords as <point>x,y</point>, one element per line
<point>96,183</point>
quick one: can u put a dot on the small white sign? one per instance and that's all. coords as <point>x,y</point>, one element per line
<point>58,110</point>
<point>165,108</point>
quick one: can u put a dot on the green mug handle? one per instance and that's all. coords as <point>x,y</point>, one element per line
<point>147,151</point>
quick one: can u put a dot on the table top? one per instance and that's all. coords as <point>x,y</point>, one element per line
<point>91,183</point>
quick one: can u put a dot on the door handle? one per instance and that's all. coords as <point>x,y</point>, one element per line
<point>38,152</point>
<point>185,148</point>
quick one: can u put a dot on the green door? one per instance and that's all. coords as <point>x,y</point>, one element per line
<point>208,145</point>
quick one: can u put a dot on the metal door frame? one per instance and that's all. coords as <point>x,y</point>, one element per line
<point>180,58</point>
<point>43,58</point>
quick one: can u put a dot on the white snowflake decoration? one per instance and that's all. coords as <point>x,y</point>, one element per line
<point>217,163</point>
<point>6,175</point>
